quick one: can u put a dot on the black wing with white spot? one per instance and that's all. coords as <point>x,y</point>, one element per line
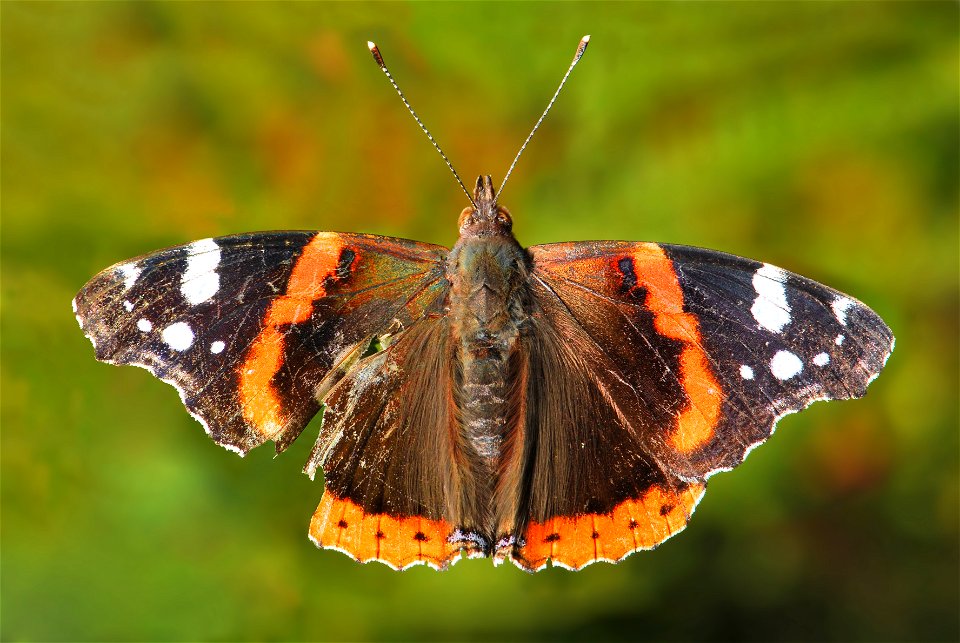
<point>253,329</point>
<point>777,342</point>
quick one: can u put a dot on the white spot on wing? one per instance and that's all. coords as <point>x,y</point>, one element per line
<point>130,273</point>
<point>144,325</point>
<point>840,306</point>
<point>785,365</point>
<point>746,372</point>
<point>821,359</point>
<point>770,308</point>
<point>127,305</point>
<point>76,313</point>
<point>200,280</point>
<point>839,340</point>
<point>178,336</point>
<point>217,347</point>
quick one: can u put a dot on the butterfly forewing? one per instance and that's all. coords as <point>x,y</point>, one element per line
<point>247,327</point>
<point>717,348</point>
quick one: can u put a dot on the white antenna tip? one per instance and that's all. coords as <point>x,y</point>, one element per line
<point>372,46</point>
<point>581,47</point>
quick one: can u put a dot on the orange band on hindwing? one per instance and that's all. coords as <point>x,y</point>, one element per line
<point>695,424</point>
<point>343,525</point>
<point>262,407</point>
<point>634,524</point>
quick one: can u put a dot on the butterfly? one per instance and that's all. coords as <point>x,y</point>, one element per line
<point>560,404</point>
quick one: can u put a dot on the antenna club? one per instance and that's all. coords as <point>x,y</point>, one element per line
<point>372,46</point>
<point>582,47</point>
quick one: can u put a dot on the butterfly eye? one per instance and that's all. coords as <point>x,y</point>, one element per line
<point>466,217</point>
<point>503,218</point>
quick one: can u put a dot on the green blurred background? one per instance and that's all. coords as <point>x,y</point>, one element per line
<point>822,137</point>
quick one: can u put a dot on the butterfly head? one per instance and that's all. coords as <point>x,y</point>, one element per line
<point>485,218</point>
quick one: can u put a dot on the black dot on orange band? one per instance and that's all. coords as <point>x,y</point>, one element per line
<point>380,534</point>
<point>627,274</point>
<point>595,535</point>
<point>633,524</point>
<point>342,524</point>
<point>665,509</point>
<point>552,538</point>
<point>422,537</point>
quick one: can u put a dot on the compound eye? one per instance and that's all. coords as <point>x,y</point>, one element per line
<point>503,218</point>
<point>466,217</point>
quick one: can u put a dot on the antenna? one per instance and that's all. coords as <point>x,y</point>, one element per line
<point>582,47</point>
<point>376,56</point>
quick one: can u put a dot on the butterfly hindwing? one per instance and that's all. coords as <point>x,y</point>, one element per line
<point>390,451</point>
<point>249,328</point>
<point>583,417</point>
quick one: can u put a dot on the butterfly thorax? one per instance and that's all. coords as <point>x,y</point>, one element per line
<point>488,306</point>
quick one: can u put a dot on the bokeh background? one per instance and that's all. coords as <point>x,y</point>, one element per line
<point>822,137</point>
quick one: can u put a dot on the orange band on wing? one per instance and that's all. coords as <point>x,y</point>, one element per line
<point>261,406</point>
<point>398,542</point>
<point>695,424</point>
<point>636,524</point>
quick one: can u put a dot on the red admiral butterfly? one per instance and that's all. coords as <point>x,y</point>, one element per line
<point>564,403</point>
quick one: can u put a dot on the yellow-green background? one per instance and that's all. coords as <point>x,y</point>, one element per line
<point>821,137</point>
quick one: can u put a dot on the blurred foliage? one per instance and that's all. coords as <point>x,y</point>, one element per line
<point>822,137</point>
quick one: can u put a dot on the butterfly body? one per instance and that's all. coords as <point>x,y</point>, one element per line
<point>489,310</point>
